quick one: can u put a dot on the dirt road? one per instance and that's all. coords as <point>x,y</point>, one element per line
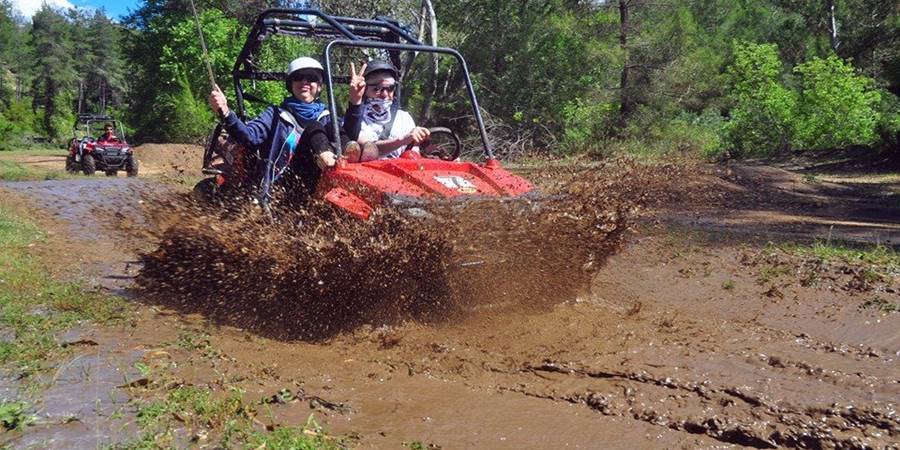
<point>697,335</point>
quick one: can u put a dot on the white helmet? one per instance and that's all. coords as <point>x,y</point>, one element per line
<point>304,62</point>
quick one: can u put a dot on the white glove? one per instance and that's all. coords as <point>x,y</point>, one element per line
<point>325,159</point>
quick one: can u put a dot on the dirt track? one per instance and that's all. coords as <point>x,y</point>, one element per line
<point>684,340</point>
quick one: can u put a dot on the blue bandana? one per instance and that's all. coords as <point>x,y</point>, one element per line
<point>306,111</point>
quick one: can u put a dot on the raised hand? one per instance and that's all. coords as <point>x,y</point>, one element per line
<point>218,102</point>
<point>357,84</point>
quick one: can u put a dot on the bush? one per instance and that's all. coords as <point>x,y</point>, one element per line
<point>184,117</point>
<point>587,122</point>
<point>651,136</point>
<point>763,108</point>
<point>888,127</point>
<point>837,107</point>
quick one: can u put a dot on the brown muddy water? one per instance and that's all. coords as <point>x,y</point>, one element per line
<point>539,326</point>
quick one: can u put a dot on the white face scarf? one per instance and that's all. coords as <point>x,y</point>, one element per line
<point>378,111</point>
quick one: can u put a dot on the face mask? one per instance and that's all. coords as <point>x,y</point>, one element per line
<point>378,111</point>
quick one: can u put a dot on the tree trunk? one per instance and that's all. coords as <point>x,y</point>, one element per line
<point>102,97</point>
<point>832,25</point>
<point>428,8</point>
<point>80,96</point>
<point>625,101</point>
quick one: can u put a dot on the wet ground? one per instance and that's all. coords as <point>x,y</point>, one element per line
<point>688,337</point>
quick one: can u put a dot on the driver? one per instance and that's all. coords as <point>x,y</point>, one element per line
<point>385,130</point>
<point>108,135</point>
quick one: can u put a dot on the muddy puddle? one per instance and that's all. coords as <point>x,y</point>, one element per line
<point>580,334</point>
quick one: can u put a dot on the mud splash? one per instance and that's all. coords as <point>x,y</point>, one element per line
<point>314,273</point>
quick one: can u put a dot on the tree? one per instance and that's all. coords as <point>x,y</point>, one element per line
<point>54,67</point>
<point>105,75</point>
<point>167,66</point>
<point>763,108</point>
<point>838,108</point>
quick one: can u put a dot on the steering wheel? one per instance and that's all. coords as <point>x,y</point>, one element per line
<point>443,144</point>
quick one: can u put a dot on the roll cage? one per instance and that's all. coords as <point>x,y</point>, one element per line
<point>85,123</point>
<point>378,33</point>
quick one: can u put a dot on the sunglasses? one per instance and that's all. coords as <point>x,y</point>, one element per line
<point>307,77</point>
<point>379,89</point>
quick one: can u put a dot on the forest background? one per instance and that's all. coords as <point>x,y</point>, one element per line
<point>715,78</point>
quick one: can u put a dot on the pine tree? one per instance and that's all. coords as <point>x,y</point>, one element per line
<point>55,74</point>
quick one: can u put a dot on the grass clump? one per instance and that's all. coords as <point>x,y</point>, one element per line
<point>14,415</point>
<point>13,171</point>
<point>223,420</point>
<point>171,414</point>
<point>34,307</point>
<point>419,445</point>
<point>772,272</point>
<point>879,257</point>
<point>309,437</point>
<point>881,305</point>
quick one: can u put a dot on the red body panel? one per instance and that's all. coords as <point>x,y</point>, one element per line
<point>359,188</point>
<point>89,147</point>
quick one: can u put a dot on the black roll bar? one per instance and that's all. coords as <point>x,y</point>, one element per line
<point>288,21</point>
<point>488,152</point>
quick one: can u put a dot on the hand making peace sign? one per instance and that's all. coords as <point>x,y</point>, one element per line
<point>357,84</point>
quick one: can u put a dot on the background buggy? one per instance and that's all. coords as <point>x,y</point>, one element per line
<point>88,155</point>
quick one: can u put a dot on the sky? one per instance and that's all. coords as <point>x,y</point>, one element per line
<point>114,9</point>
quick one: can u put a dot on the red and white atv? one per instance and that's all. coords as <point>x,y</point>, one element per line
<point>434,174</point>
<point>107,153</point>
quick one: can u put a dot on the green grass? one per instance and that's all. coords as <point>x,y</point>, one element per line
<point>14,415</point>
<point>879,257</point>
<point>34,307</point>
<point>35,149</point>
<point>881,305</point>
<point>170,413</point>
<point>772,272</point>
<point>13,171</point>
<point>171,416</point>
<point>419,445</point>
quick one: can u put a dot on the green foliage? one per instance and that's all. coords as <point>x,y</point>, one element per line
<point>35,306</point>
<point>586,122</point>
<point>14,415</point>
<point>275,55</point>
<point>171,84</point>
<point>54,66</point>
<point>290,438</point>
<point>763,108</point>
<point>16,124</point>
<point>533,66</point>
<point>549,70</point>
<point>183,116</point>
<point>881,258</point>
<point>838,108</point>
<point>881,305</point>
<point>888,127</point>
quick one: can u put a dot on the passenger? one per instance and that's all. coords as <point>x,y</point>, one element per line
<point>385,129</point>
<point>108,134</point>
<point>295,135</point>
